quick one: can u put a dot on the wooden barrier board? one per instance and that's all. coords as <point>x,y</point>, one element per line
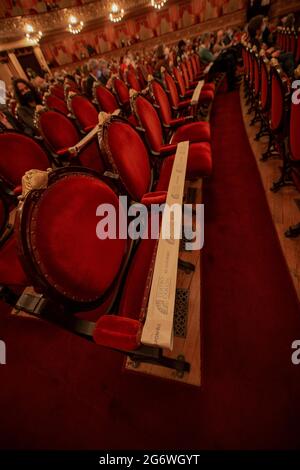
<point>189,346</point>
<point>196,94</point>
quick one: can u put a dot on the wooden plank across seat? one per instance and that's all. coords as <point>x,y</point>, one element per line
<point>196,94</point>
<point>189,344</point>
<point>158,327</point>
<point>207,68</point>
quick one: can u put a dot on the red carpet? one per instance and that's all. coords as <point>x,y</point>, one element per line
<point>58,391</point>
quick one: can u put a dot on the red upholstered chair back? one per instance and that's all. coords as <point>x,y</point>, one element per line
<point>64,256</point>
<point>247,64</point>
<point>132,80</point>
<point>50,121</point>
<point>84,111</point>
<point>251,69</point>
<point>265,86</point>
<point>293,43</point>
<point>189,69</point>
<point>277,101</point>
<point>185,75</point>
<point>198,64</point>
<point>19,154</point>
<point>294,131</point>
<point>172,89</point>
<point>256,75</point>
<point>127,155</point>
<point>4,212</point>
<point>161,99</point>
<point>180,81</point>
<point>121,91</point>
<point>72,86</point>
<point>106,100</point>
<point>58,90</point>
<point>194,65</point>
<point>140,72</point>
<point>297,55</point>
<point>149,121</point>
<point>55,103</point>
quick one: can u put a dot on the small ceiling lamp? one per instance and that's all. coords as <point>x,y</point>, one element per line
<point>158,4</point>
<point>75,26</point>
<point>32,35</point>
<point>116,13</point>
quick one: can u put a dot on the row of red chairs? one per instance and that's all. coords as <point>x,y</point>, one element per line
<point>269,93</point>
<point>79,276</point>
<point>289,41</point>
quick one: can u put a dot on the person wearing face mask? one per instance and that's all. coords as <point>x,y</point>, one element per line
<point>29,101</point>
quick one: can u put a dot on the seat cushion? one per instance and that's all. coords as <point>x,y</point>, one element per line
<point>165,174</point>
<point>184,104</point>
<point>206,96</point>
<point>11,271</point>
<point>194,132</point>
<point>136,279</point>
<point>209,86</point>
<point>199,160</point>
<point>199,164</point>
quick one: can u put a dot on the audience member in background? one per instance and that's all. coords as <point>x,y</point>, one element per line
<point>255,30</point>
<point>94,73</point>
<point>162,60</point>
<point>225,59</point>
<point>290,21</point>
<point>28,102</point>
<point>205,54</point>
<point>181,51</point>
<point>105,73</point>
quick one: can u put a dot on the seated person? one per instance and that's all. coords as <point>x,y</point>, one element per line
<point>94,73</point>
<point>28,102</point>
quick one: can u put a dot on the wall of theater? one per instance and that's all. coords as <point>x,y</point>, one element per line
<point>109,37</point>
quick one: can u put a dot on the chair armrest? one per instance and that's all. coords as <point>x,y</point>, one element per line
<point>168,149</point>
<point>117,332</point>
<point>155,197</point>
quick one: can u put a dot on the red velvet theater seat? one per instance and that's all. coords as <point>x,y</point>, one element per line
<point>161,99</point>
<point>177,104</point>
<point>78,270</point>
<point>199,161</point>
<point>60,142</point>
<point>121,91</point>
<point>132,80</point>
<point>4,212</point>
<point>84,112</point>
<point>186,93</point>
<point>55,103</point>
<point>291,167</point>
<point>19,154</point>
<point>58,90</point>
<point>135,174</point>
<point>105,99</point>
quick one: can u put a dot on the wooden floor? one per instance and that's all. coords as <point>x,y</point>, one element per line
<point>282,204</point>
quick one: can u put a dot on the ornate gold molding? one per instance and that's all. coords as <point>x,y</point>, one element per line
<point>57,20</point>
